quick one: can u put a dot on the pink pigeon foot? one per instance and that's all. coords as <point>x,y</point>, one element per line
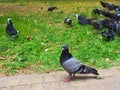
<point>68,79</point>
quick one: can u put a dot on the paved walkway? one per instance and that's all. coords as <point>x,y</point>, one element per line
<point>55,81</point>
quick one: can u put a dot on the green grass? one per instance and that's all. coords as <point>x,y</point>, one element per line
<point>48,32</point>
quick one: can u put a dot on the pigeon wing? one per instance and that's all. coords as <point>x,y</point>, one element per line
<point>71,65</point>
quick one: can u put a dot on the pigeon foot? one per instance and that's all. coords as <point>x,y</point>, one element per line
<point>68,79</point>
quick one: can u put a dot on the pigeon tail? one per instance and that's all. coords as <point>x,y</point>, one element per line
<point>90,20</point>
<point>86,70</point>
<point>97,11</point>
<point>93,71</point>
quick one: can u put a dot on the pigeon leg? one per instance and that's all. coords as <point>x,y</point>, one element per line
<point>69,26</point>
<point>69,78</point>
<point>73,76</point>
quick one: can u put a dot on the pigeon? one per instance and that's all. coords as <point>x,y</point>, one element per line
<point>118,9</point>
<point>105,13</point>
<point>114,16</point>
<point>79,16</point>
<point>117,27</point>
<point>108,35</point>
<point>110,24</point>
<point>117,12</point>
<point>104,4</point>
<point>10,30</point>
<point>72,65</point>
<point>106,23</point>
<point>68,21</point>
<point>97,11</point>
<point>52,8</point>
<point>98,24</point>
<point>109,6</point>
<point>82,20</point>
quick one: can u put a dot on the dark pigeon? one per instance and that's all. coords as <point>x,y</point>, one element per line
<point>10,30</point>
<point>112,25</point>
<point>51,8</point>
<point>118,9</point>
<point>106,23</point>
<point>113,16</point>
<point>104,4</point>
<point>105,13</point>
<point>117,27</point>
<point>83,20</point>
<point>79,16</point>
<point>108,35</point>
<point>98,24</point>
<point>72,65</point>
<point>68,21</point>
<point>109,6</point>
<point>97,11</point>
<point>117,12</point>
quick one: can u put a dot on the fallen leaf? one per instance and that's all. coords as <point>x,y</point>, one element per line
<point>2,57</point>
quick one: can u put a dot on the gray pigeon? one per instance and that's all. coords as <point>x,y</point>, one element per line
<point>72,65</point>
<point>10,30</point>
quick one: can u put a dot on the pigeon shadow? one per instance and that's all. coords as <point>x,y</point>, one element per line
<point>85,77</point>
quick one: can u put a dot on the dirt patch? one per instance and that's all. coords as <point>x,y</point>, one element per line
<point>21,8</point>
<point>12,8</point>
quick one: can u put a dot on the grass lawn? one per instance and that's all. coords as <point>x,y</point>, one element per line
<point>47,32</point>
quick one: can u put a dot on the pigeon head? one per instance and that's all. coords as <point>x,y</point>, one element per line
<point>65,55</point>
<point>76,15</point>
<point>64,47</point>
<point>68,21</point>
<point>9,21</point>
<point>118,9</point>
